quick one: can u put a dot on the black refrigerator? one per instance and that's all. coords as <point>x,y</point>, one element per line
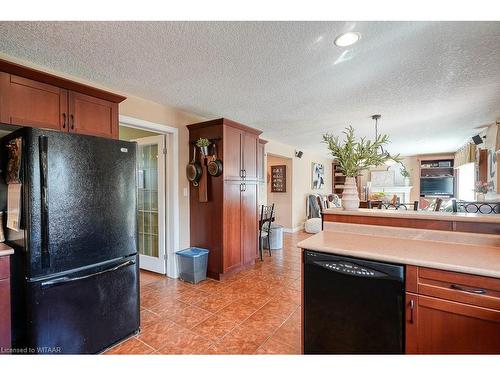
<point>75,275</point>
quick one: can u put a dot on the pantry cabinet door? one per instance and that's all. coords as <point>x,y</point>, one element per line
<point>233,254</point>
<point>249,145</point>
<point>232,153</point>
<point>249,221</point>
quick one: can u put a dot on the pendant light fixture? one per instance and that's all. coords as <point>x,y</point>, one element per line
<point>376,118</point>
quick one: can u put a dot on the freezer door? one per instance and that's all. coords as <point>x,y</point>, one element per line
<point>84,312</point>
<point>80,200</point>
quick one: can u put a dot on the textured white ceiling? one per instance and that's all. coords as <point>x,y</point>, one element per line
<point>433,82</point>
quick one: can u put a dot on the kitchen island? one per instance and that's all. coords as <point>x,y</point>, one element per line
<point>450,300</point>
<point>447,221</point>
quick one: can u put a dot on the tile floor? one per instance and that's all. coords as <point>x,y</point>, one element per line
<point>257,311</point>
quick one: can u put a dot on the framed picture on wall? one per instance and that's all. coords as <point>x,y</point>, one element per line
<point>318,176</point>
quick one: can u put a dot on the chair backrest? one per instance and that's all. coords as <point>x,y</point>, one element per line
<point>320,203</point>
<point>266,217</point>
<point>373,204</point>
<point>400,206</point>
<point>437,207</point>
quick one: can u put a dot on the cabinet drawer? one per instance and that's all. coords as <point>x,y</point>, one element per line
<point>471,289</point>
<point>4,267</point>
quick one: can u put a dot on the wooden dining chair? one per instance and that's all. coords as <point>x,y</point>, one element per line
<point>266,219</point>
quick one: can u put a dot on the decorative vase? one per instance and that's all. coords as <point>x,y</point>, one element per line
<point>350,198</point>
<point>480,197</point>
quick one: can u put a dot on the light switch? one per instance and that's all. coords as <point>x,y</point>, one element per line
<point>185,191</point>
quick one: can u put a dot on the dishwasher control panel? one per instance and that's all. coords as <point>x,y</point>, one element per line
<point>349,268</point>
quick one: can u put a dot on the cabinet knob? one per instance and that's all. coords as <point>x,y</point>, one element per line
<point>412,307</point>
<point>72,118</point>
<point>64,120</point>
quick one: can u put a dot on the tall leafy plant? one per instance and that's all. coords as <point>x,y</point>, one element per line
<point>356,155</point>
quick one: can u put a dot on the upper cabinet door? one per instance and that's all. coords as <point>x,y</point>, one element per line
<point>30,103</point>
<point>92,116</point>
<point>249,145</point>
<point>232,153</point>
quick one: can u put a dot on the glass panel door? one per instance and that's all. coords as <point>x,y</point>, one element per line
<point>151,202</point>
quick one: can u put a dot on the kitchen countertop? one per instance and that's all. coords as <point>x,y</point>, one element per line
<point>472,253</point>
<point>5,250</point>
<point>417,215</point>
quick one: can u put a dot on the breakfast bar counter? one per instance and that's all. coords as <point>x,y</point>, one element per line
<point>448,221</point>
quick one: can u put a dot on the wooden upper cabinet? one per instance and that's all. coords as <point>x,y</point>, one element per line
<point>26,102</point>
<point>30,97</point>
<point>232,153</point>
<point>249,155</point>
<point>92,116</point>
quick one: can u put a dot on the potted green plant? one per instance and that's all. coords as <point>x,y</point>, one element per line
<point>355,156</point>
<point>405,173</point>
<point>202,144</point>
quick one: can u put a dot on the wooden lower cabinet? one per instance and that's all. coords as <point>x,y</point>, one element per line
<point>5,333</point>
<point>241,224</point>
<point>451,320</point>
<point>232,256</point>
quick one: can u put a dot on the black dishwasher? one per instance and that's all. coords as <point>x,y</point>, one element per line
<point>352,306</point>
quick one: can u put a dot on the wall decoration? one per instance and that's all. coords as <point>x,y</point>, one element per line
<point>318,175</point>
<point>278,178</point>
<point>382,178</point>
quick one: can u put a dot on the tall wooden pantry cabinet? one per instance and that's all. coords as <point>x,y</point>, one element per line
<point>226,224</point>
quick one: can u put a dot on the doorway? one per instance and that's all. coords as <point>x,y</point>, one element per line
<point>156,184</point>
<point>282,199</point>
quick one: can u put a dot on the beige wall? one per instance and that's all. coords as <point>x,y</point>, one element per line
<point>301,177</point>
<point>282,201</point>
<point>126,133</point>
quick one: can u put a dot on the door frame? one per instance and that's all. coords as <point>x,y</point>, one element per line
<point>151,263</point>
<point>171,186</point>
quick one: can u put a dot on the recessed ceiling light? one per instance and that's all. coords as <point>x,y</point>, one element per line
<point>347,39</point>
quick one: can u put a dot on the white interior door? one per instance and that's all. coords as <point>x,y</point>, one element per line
<point>151,203</point>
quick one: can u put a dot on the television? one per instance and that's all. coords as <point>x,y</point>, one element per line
<point>437,186</point>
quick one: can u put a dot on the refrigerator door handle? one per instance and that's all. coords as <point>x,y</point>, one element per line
<point>64,280</point>
<point>44,190</point>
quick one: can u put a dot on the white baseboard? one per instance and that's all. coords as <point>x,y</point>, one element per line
<point>293,230</point>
